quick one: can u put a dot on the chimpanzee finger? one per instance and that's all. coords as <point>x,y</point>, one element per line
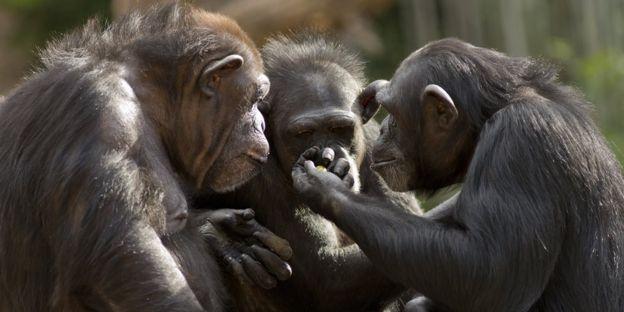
<point>309,154</point>
<point>236,268</point>
<point>341,168</point>
<point>348,180</point>
<point>309,167</point>
<point>301,179</point>
<point>236,220</point>
<point>275,243</point>
<point>246,214</point>
<point>273,263</point>
<point>327,156</point>
<point>257,273</point>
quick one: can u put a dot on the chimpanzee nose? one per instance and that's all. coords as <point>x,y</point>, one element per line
<point>264,85</point>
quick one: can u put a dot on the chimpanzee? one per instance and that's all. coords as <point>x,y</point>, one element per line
<point>538,224</point>
<point>314,85</point>
<point>102,146</point>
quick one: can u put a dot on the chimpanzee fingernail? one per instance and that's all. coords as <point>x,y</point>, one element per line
<point>328,154</point>
<point>248,213</point>
<point>309,165</point>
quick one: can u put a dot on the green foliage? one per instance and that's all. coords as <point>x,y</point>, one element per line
<point>600,76</point>
<point>38,20</point>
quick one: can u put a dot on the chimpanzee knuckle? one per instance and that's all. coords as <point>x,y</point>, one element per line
<point>229,215</point>
<point>236,268</point>
<point>202,218</point>
<point>250,227</point>
<point>273,263</point>
<point>338,169</point>
<point>218,217</point>
<point>349,181</point>
<point>230,254</point>
<point>248,214</point>
<point>310,152</point>
<point>257,273</point>
<point>275,243</point>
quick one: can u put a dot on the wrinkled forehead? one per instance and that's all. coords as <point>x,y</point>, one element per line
<point>318,90</point>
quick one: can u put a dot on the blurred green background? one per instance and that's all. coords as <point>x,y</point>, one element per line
<point>585,38</point>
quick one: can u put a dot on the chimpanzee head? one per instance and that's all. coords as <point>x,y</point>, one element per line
<point>312,101</point>
<point>199,78</point>
<point>438,100</point>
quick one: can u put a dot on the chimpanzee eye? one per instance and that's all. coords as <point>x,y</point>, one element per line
<point>304,133</point>
<point>393,123</point>
<point>342,128</point>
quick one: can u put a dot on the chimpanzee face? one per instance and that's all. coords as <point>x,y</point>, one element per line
<point>422,145</point>
<point>315,110</point>
<point>397,150</point>
<point>245,148</point>
<point>204,102</point>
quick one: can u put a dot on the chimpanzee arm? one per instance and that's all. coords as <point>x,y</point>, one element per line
<point>449,262</point>
<point>198,264</point>
<point>324,268</point>
<point>329,268</point>
<point>105,247</point>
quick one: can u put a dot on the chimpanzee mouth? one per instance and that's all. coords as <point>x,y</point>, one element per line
<point>383,162</point>
<point>256,159</point>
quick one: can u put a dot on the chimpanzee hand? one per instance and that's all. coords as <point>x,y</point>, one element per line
<point>250,251</point>
<point>317,177</point>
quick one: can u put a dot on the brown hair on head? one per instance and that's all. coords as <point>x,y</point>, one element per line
<point>225,24</point>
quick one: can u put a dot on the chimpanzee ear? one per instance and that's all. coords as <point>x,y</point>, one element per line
<point>366,105</point>
<point>439,103</point>
<point>217,69</point>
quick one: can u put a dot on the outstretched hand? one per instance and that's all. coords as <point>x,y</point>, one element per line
<point>254,254</point>
<point>317,176</point>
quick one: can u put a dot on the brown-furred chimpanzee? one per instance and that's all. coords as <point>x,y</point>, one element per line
<point>538,224</point>
<point>314,85</point>
<point>100,149</point>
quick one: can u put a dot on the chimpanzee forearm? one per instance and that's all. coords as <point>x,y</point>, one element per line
<point>400,245</point>
<point>118,260</point>
<point>143,276</point>
<point>397,240</point>
<point>328,269</point>
<point>351,272</point>
<point>198,264</point>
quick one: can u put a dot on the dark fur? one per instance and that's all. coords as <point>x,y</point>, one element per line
<point>92,165</point>
<point>538,225</point>
<point>310,74</point>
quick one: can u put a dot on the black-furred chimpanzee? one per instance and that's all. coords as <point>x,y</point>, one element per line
<point>100,149</point>
<point>538,224</point>
<point>314,85</point>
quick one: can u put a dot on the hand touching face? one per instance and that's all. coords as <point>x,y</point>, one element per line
<point>317,177</point>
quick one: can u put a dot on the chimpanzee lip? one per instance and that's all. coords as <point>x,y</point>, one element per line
<point>383,162</point>
<point>258,159</point>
